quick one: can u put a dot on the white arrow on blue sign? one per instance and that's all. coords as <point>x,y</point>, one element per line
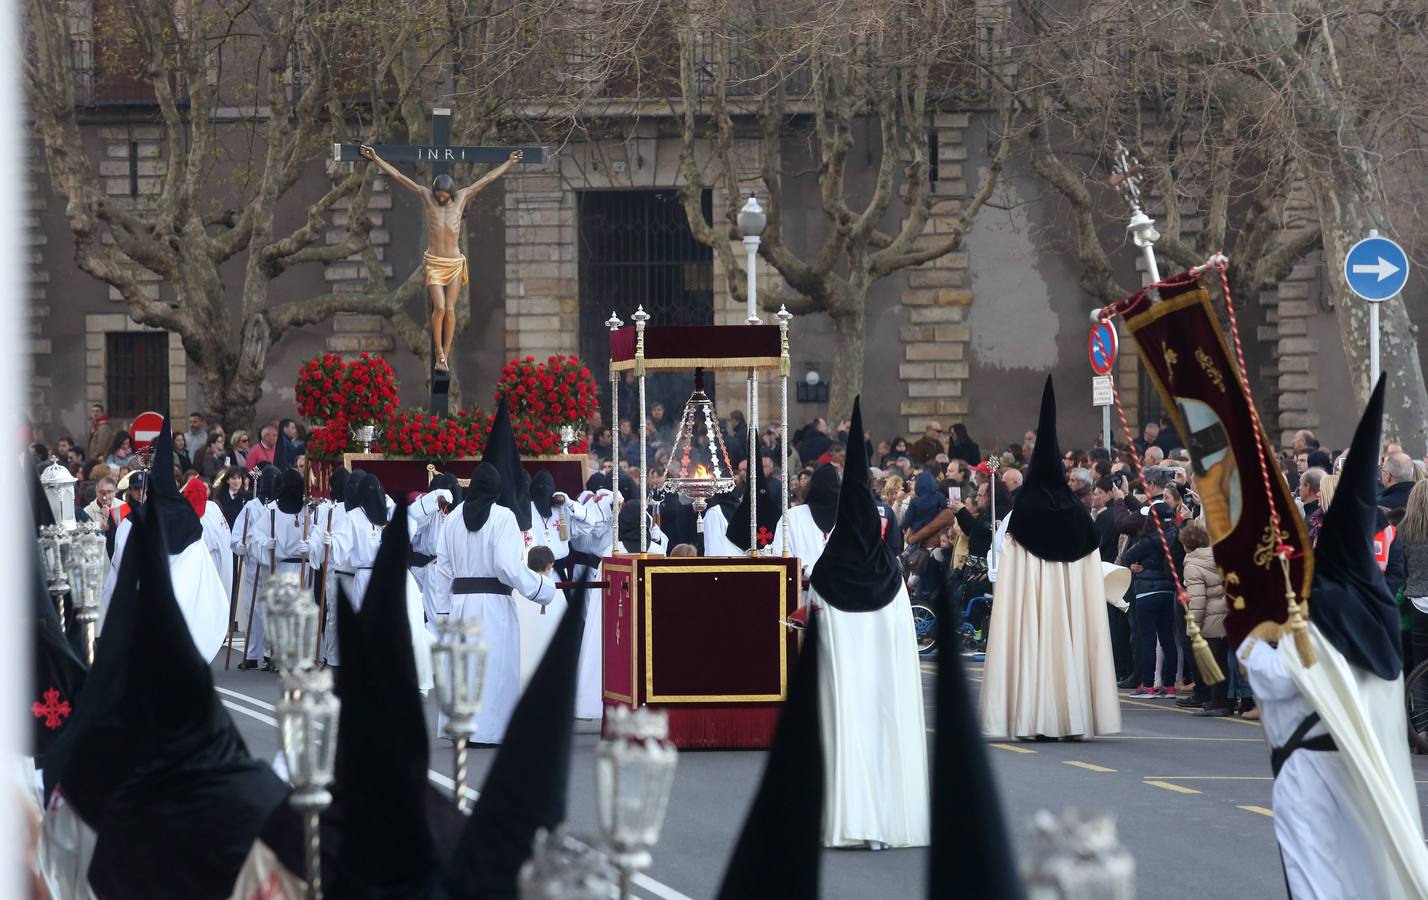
<point>1376,268</point>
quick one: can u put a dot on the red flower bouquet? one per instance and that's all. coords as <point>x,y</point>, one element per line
<point>331,439</point>
<point>320,388</point>
<point>559,391</point>
<point>370,391</point>
<point>437,439</point>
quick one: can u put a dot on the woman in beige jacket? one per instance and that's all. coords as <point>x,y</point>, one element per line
<point>1206,589</point>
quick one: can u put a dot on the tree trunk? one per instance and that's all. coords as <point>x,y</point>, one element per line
<point>847,376</point>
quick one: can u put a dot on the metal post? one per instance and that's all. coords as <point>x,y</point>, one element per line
<point>1106,431</point>
<point>614,324</point>
<point>462,803</point>
<point>784,317</point>
<point>755,466</point>
<point>1373,345</point>
<point>751,246</point>
<point>312,819</point>
<point>641,317</point>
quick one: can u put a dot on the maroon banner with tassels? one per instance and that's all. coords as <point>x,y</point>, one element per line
<point>1196,375</point>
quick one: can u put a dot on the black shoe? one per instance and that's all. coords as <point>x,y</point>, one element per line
<point>1217,712</point>
<point>247,664</point>
<point>1189,702</point>
<point>1128,683</point>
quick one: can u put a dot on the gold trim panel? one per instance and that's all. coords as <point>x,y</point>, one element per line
<point>776,624</point>
<point>690,362</point>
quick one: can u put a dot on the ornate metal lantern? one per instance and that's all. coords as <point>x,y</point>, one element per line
<point>55,553</point>
<point>563,867</point>
<point>634,773</point>
<point>59,485</point>
<point>699,465</point>
<point>1078,858</point>
<point>88,566</point>
<point>458,668</point>
<point>289,621</point>
<point>307,721</point>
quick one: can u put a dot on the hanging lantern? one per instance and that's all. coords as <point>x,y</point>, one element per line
<point>699,465</point>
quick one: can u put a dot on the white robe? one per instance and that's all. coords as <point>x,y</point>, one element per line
<point>252,520</point>
<point>217,538</point>
<point>538,623</point>
<point>197,588</point>
<point>1050,669</point>
<point>497,550</point>
<point>716,534</point>
<point>286,546</point>
<point>1347,821</point>
<point>590,533</point>
<point>355,550</point>
<point>805,539</point>
<point>327,516</point>
<point>874,733</point>
<point>424,520</point>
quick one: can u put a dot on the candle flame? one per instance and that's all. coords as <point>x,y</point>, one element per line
<point>700,471</point>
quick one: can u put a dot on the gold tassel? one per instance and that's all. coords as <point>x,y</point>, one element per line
<point>1210,672</point>
<point>1300,629</point>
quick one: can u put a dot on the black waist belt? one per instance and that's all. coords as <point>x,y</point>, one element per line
<point>421,559</point>
<point>480,586</point>
<point>580,558</point>
<point>292,559</point>
<point>1280,755</point>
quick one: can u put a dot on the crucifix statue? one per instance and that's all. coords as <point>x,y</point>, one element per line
<point>443,206</point>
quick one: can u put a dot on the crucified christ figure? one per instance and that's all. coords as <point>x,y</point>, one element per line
<point>443,206</point>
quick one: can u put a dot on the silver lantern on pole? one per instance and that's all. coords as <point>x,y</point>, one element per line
<point>59,485</point>
<point>89,564</point>
<point>634,773</point>
<point>55,554</point>
<point>307,721</point>
<point>289,621</point>
<point>1077,858</point>
<point>458,667</point>
<point>752,221</point>
<point>564,867</point>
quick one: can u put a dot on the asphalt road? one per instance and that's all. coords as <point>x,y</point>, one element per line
<point>1191,796</point>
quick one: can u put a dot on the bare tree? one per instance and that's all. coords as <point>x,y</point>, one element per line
<point>754,71</point>
<point>1237,110</point>
<point>307,74</point>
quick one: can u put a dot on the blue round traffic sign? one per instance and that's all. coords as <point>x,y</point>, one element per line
<point>1103,346</point>
<point>1376,268</point>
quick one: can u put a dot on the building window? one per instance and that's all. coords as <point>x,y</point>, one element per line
<point>136,375</point>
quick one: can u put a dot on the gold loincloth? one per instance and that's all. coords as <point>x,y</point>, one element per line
<point>444,269</point>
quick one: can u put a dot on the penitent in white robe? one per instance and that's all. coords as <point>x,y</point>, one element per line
<point>1049,669</point>
<point>537,623</point>
<point>197,589</point>
<point>496,550</point>
<point>874,733</point>
<point>218,539</point>
<point>251,522</point>
<point>424,520</point>
<point>590,523</point>
<point>805,539</point>
<point>328,518</point>
<point>716,534</point>
<point>354,551</point>
<point>1347,821</point>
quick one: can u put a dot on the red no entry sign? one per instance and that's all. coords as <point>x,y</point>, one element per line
<point>1103,348</point>
<point>145,429</point>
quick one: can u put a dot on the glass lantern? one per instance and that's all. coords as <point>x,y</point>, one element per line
<point>56,552</point>
<point>634,773</point>
<point>307,720</point>
<point>563,867</point>
<point>1077,858</point>
<point>89,564</point>
<point>59,486</point>
<point>699,464</point>
<point>289,621</point>
<point>458,667</point>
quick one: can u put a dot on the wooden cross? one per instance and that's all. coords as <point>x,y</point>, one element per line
<point>440,155</point>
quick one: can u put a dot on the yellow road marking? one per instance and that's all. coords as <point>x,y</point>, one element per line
<point>1090,767</point>
<point>1258,809</point>
<point>1165,706</point>
<point>1179,789</point>
<point>1013,748</point>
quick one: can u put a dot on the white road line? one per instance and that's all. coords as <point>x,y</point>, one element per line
<point>657,888</point>
<point>246,699</point>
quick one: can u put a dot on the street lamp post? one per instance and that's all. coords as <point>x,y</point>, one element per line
<point>752,222</point>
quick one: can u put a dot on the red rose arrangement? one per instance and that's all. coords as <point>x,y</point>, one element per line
<point>370,391</point>
<point>331,439</point>
<point>438,439</point>
<point>559,391</point>
<point>320,388</point>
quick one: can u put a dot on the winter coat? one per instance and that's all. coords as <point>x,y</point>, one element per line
<point>1154,576</point>
<point>1207,592</point>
